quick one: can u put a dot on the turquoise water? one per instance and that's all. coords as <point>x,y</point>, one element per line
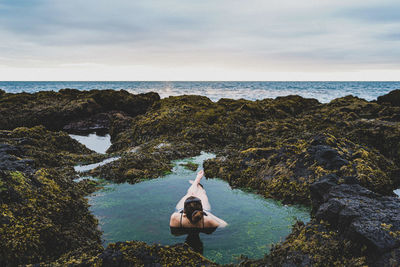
<point>323,91</point>
<point>142,211</point>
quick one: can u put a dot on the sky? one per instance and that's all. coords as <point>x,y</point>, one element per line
<point>199,40</point>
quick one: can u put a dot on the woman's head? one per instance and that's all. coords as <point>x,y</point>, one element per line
<point>193,209</point>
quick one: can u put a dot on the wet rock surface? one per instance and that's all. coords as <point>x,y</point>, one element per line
<point>99,123</point>
<point>342,158</point>
<point>351,226</point>
<point>136,253</point>
<point>150,160</point>
<point>362,216</point>
<point>43,212</point>
<point>286,171</point>
<point>392,98</point>
<point>69,106</point>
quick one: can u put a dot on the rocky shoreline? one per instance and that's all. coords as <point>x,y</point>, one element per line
<point>341,158</point>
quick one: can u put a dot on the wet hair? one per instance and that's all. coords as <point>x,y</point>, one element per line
<point>193,209</point>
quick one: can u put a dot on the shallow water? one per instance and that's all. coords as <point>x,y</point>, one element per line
<point>85,168</point>
<point>97,143</point>
<point>142,211</point>
<point>397,192</point>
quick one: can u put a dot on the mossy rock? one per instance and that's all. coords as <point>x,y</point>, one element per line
<point>46,148</point>
<point>43,215</point>
<point>56,109</point>
<point>136,253</point>
<point>190,166</point>
<point>392,98</point>
<point>285,171</point>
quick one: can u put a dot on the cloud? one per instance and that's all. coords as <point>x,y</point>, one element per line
<point>250,35</point>
<point>384,12</point>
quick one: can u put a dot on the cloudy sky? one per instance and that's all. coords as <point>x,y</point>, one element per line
<point>199,40</point>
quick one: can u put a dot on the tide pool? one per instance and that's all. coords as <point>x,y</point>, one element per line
<point>142,212</point>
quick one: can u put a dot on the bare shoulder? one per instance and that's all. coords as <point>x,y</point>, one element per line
<point>174,219</point>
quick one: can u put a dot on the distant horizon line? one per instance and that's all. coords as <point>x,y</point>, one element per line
<point>205,81</point>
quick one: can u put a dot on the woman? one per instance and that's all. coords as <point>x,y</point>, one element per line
<point>193,211</point>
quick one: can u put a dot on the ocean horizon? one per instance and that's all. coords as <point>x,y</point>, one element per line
<point>324,91</point>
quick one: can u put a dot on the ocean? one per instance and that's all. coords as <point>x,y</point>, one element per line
<point>323,91</point>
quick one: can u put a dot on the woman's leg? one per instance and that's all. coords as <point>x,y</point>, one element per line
<point>196,190</point>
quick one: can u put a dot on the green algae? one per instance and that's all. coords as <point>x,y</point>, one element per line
<point>43,216</point>
<point>286,170</point>
<point>190,166</point>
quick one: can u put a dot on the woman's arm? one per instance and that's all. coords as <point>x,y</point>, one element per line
<point>174,222</point>
<point>221,223</point>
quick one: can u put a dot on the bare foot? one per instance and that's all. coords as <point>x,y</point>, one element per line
<point>200,175</point>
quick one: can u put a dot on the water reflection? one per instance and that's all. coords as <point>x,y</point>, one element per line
<point>194,241</point>
<point>95,142</point>
<point>192,238</point>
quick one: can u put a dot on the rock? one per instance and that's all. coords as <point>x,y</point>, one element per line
<point>320,188</point>
<point>41,148</point>
<point>363,216</point>
<point>136,253</point>
<point>342,158</point>
<point>190,166</point>
<point>99,123</point>
<point>151,161</point>
<point>10,162</point>
<point>392,98</point>
<point>43,215</point>
<point>327,157</point>
<point>286,170</point>
<point>69,107</point>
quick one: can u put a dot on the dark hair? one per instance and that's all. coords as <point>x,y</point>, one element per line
<point>193,209</point>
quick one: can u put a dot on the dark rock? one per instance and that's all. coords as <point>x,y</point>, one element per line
<point>364,217</point>
<point>57,109</point>
<point>327,157</point>
<point>37,147</point>
<point>320,189</point>
<point>10,162</point>
<point>391,258</point>
<point>151,161</point>
<point>190,166</point>
<point>136,253</point>
<point>99,123</point>
<point>286,170</point>
<point>392,98</point>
